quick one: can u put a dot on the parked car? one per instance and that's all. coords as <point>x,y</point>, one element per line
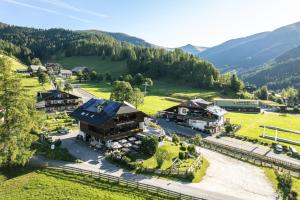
<point>278,148</point>
<point>293,150</point>
<point>63,131</point>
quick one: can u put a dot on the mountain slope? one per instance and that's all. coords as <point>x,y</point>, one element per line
<point>254,50</point>
<point>122,37</point>
<point>283,72</point>
<point>192,49</point>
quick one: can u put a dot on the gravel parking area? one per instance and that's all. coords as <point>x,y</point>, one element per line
<point>239,179</point>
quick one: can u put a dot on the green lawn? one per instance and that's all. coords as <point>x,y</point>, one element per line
<point>15,63</point>
<point>173,151</point>
<point>52,184</point>
<point>270,174</point>
<point>251,122</point>
<point>31,84</point>
<point>160,96</point>
<point>115,68</point>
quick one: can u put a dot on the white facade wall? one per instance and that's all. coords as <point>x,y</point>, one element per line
<point>197,124</point>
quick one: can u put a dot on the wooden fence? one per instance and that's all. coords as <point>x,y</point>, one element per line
<point>165,193</point>
<point>252,157</point>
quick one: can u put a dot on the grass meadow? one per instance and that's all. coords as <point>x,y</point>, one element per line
<point>251,124</point>
<point>31,184</point>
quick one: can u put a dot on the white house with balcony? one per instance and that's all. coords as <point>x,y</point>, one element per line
<point>198,114</point>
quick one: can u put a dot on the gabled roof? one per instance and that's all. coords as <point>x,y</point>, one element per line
<point>36,67</point>
<point>98,111</point>
<point>216,110</point>
<point>196,103</point>
<point>80,68</point>
<point>54,94</point>
<point>65,71</point>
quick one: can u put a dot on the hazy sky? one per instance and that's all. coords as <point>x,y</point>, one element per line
<point>169,23</point>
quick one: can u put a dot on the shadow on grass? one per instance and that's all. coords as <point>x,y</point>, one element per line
<point>15,171</point>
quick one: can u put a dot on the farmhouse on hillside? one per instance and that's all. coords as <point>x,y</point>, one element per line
<point>104,120</point>
<point>65,73</point>
<point>57,101</point>
<point>239,105</point>
<point>33,69</point>
<point>53,68</point>
<point>198,114</point>
<point>82,69</point>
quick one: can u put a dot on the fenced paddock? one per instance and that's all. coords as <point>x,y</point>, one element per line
<point>113,180</point>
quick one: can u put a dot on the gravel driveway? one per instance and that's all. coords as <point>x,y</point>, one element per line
<point>230,176</point>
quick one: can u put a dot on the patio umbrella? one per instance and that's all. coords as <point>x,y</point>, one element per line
<point>132,139</point>
<point>127,145</point>
<point>122,141</point>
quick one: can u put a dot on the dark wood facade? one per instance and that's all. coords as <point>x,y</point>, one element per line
<point>57,101</point>
<point>122,120</point>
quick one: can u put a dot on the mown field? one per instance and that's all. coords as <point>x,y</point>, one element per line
<point>51,184</point>
<point>251,122</point>
<point>159,97</point>
<point>115,68</point>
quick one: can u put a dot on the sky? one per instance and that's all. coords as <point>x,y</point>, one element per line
<point>168,23</point>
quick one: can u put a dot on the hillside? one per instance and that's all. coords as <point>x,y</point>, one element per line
<point>122,37</point>
<point>115,68</point>
<point>31,84</point>
<point>244,53</point>
<point>283,72</point>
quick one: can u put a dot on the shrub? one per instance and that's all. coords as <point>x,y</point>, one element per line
<point>149,145</point>
<point>192,149</point>
<point>228,128</point>
<point>197,140</point>
<point>285,148</point>
<point>57,142</point>
<point>175,139</point>
<point>161,155</point>
<point>183,148</point>
<point>181,155</point>
<point>191,175</point>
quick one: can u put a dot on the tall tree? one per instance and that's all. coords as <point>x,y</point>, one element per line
<point>137,97</point>
<point>19,118</point>
<point>121,91</point>
<point>36,61</point>
<point>43,78</point>
<point>235,83</point>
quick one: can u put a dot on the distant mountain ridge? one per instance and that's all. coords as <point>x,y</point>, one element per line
<point>282,72</point>
<point>248,52</point>
<point>192,49</point>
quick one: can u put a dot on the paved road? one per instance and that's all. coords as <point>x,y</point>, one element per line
<point>226,178</point>
<point>82,93</point>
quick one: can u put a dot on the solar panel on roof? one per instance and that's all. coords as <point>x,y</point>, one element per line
<point>87,104</point>
<point>110,107</point>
